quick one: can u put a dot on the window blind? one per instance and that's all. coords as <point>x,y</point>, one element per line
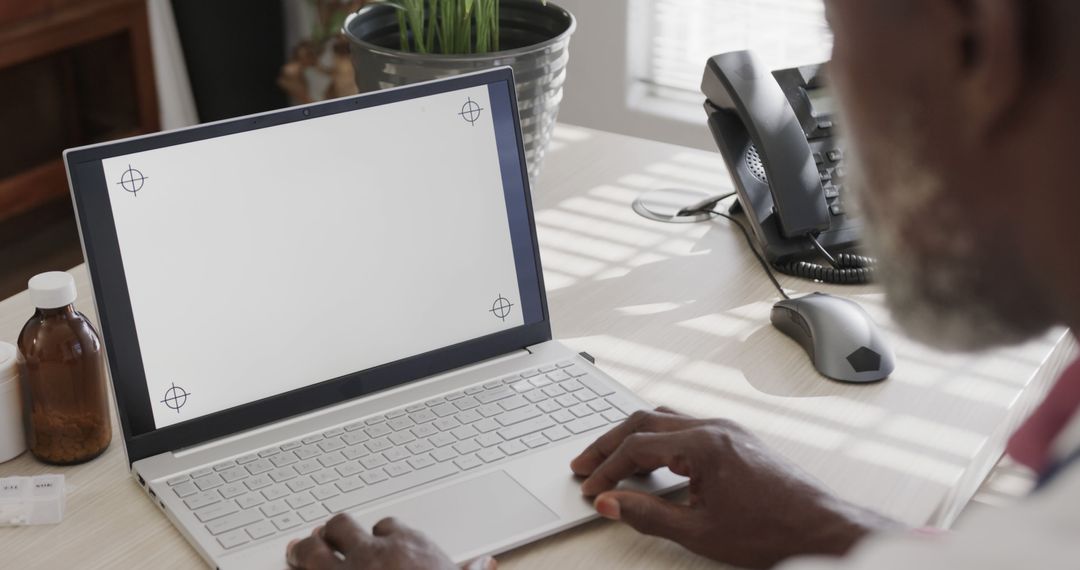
<point>683,34</point>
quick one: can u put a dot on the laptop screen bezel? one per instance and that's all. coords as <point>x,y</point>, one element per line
<point>102,252</point>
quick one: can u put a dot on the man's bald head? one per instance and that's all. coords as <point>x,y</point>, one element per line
<point>963,115</point>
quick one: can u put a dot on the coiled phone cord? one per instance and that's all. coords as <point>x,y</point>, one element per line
<point>846,268</point>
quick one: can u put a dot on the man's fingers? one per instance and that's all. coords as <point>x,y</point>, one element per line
<point>636,453</point>
<point>311,553</point>
<point>661,420</point>
<point>387,526</point>
<point>343,534</point>
<point>648,514</point>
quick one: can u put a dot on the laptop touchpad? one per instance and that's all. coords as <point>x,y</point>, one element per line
<point>479,513</point>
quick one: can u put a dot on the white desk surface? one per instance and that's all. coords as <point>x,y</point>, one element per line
<point>680,314</point>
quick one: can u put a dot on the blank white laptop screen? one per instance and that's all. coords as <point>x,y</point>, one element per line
<point>269,260</point>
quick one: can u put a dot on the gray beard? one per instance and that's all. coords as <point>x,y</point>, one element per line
<point>947,284</point>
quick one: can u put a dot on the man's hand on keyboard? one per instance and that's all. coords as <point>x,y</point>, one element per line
<point>342,544</point>
<point>747,506</point>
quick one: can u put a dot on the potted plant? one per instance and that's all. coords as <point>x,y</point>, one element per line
<point>396,42</point>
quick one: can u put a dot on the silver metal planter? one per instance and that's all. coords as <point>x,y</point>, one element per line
<point>537,40</point>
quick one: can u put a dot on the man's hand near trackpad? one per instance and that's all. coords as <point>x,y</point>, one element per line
<point>747,506</point>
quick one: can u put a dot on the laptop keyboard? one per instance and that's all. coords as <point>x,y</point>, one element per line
<point>305,481</point>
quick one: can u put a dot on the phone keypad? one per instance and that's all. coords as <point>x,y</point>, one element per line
<point>830,163</point>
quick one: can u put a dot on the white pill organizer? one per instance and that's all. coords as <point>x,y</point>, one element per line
<point>32,500</point>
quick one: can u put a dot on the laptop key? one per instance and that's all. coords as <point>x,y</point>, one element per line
<point>614,416</point>
<point>442,439</point>
<point>350,484</point>
<point>284,459</point>
<point>331,445</point>
<point>216,511</point>
<point>397,469</point>
<point>467,462</point>
<point>200,500</point>
<point>398,424</point>
<point>276,492</point>
<point>185,489</point>
<point>488,439</point>
<point>395,454</point>
<point>549,406</point>
<point>373,461</point>
<point>512,447</point>
<point>353,453</point>
<point>232,490</point>
<point>567,400</point>
<point>556,433</point>
<point>424,430</point>
<point>534,440</point>
<point>563,416</point>
<point>444,409</point>
<point>464,432</point>
<point>312,512</point>
<point>402,437</point>
<point>301,484</point>
<point>599,405</point>
<point>269,452</point>
<point>572,386</point>
<point>514,403</point>
<point>201,472</point>
<point>312,439</point>
<point>521,386</point>
<point>418,447</point>
<point>489,410</point>
<point>518,415</point>
<point>354,426</point>
<point>377,445</point>
<point>468,417</point>
<point>177,480</point>
<point>415,408</point>
<point>395,414</point>
<point>485,425</point>
<point>581,410</point>
<point>423,416</point>
<point>372,477</point>
<point>489,396</point>
<point>455,396</point>
<point>444,454</point>
<point>259,466</point>
<point>349,469</point>
<point>467,403</point>
<point>467,446</point>
<point>309,466</point>
<point>224,465</point>
<point>308,452</point>
<point>490,454</point>
<point>564,364</point>
<point>558,376</point>
<point>446,423</point>
<point>234,474</point>
<point>354,438</point>
<point>585,424</point>
<point>324,477</point>
<point>274,509</point>
<point>474,390</point>
<point>209,482</point>
<point>302,500</point>
<point>332,459</point>
<point>287,521</point>
<point>374,492</point>
<point>249,500</point>
<point>526,427</point>
<point>283,474</point>
<point>291,446</point>
<point>420,461</point>
<point>584,395</point>
<point>258,482</point>
<point>378,430</point>
<point>233,539</point>
<point>233,521</point>
<point>261,529</point>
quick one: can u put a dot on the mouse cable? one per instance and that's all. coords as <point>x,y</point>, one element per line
<point>824,252</point>
<point>753,248</point>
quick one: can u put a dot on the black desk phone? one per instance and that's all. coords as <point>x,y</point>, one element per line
<point>776,134</point>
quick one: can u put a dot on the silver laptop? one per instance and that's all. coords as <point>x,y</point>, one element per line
<point>340,308</point>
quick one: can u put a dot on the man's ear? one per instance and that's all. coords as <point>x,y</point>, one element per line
<point>994,61</point>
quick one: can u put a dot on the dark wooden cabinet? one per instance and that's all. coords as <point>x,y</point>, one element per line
<point>72,72</point>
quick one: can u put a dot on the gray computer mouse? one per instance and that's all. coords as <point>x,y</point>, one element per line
<point>843,342</point>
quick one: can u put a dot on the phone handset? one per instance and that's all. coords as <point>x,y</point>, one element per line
<point>739,83</point>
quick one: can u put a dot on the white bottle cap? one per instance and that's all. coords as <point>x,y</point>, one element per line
<point>52,290</point>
